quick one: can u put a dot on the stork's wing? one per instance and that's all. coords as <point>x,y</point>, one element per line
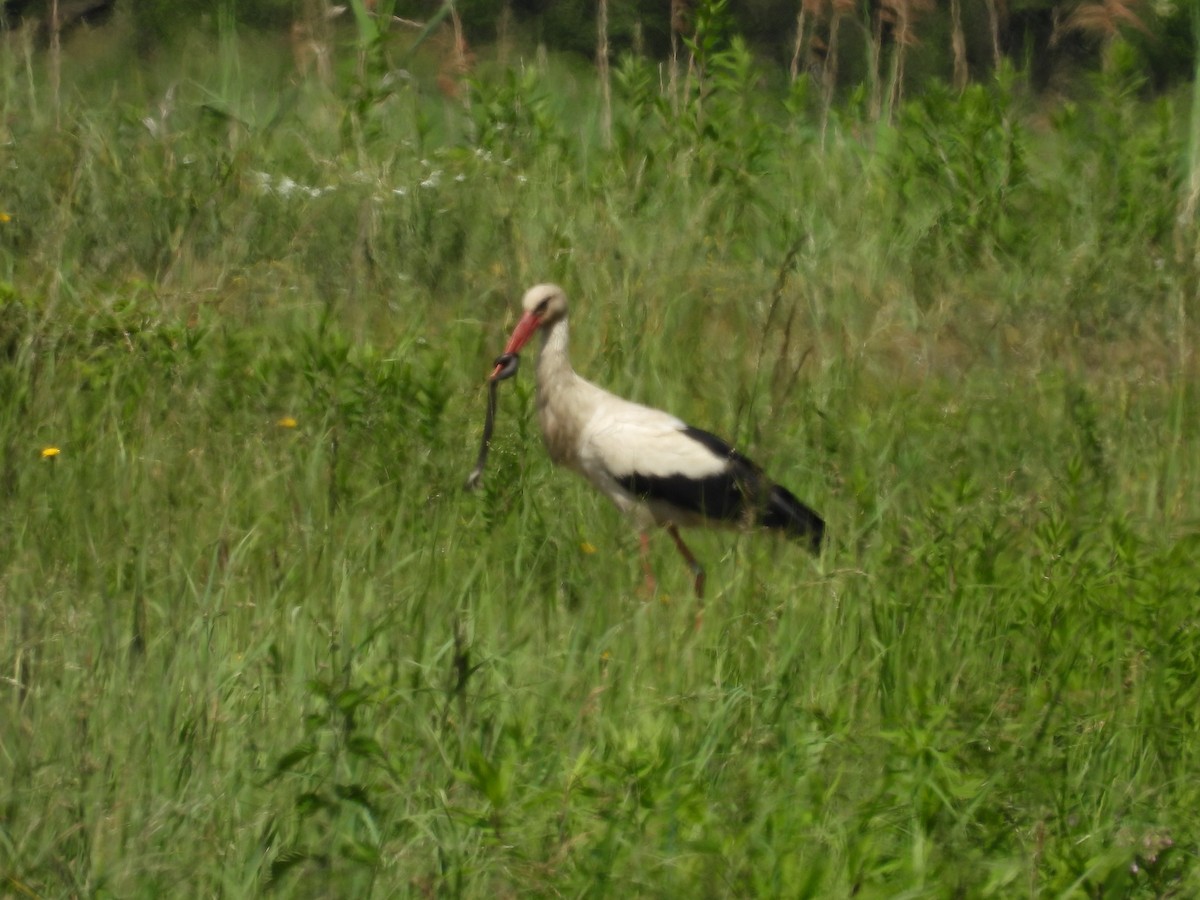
<point>659,458</point>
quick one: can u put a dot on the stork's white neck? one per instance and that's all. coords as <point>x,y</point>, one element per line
<point>554,361</point>
<point>564,400</point>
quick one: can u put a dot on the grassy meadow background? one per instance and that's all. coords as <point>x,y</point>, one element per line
<point>255,638</point>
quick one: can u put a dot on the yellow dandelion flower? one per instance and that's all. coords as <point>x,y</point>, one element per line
<point>49,452</point>
<point>587,548</point>
<point>5,217</point>
<point>286,422</point>
<point>606,655</point>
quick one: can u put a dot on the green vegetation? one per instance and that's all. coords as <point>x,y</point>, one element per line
<point>254,637</point>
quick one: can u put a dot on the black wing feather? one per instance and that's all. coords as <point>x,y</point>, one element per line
<point>739,492</point>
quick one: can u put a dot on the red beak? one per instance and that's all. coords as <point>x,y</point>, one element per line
<point>520,337</point>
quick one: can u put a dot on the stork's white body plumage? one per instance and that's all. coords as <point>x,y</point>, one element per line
<point>653,466</point>
<point>604,437</point>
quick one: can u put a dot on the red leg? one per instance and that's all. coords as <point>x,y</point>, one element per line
<point>693,564</point>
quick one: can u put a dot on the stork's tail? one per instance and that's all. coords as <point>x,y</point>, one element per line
<point>789,515</point>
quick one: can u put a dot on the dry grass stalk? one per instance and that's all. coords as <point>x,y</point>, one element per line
<point>309,39</point>
<point>876,64</point>
<point>799,49</point>
<point>457,60</point>
<point>679,15</point>
<point>503,27</point>
<point>1187,234</point>
<point>692,74</point>
<point>794,69</point>
<point>958,45</point>
<point>905,14</point>
<point>996,12</point>
<point>841,9</point>
<point>602,68</point>
<point>55,59</point>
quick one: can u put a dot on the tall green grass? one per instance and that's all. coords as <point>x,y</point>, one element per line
<point>254,637</point>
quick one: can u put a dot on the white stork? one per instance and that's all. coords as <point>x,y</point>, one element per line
<point>653,466</point>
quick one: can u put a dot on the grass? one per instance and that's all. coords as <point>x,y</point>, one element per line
<point>254,637</point>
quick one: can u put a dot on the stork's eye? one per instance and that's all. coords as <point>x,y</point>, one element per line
<point>540,309</point>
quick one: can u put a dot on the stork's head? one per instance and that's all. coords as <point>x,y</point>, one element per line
<point>544,304</point>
